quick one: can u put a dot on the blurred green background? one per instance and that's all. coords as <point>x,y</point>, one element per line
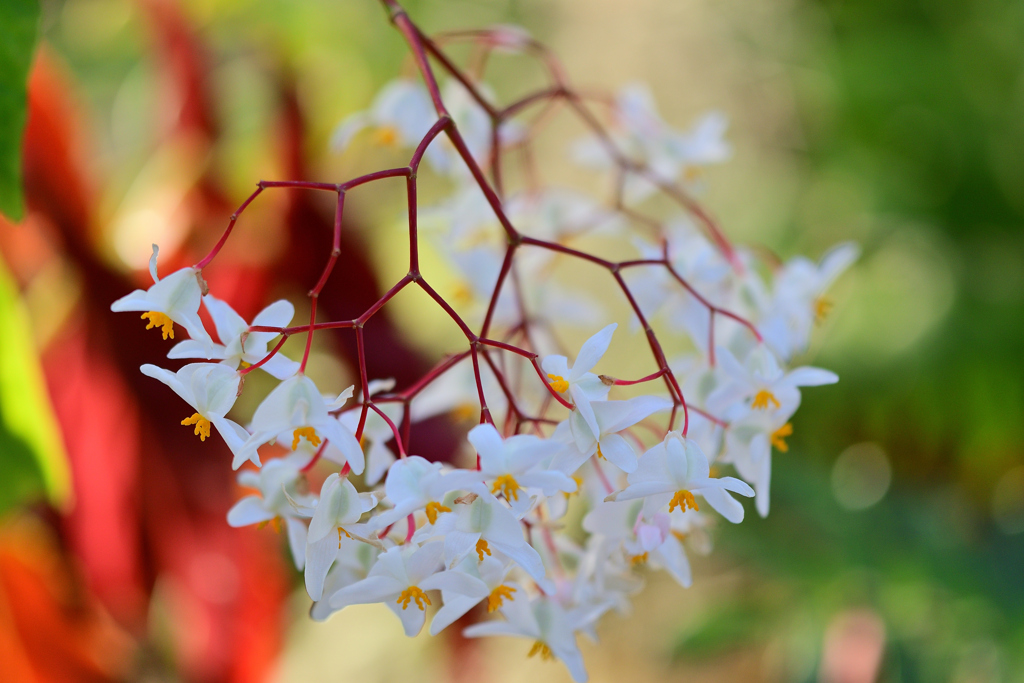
<point>898,513</point>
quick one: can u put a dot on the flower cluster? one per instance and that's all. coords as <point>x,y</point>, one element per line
<point>573,481</point>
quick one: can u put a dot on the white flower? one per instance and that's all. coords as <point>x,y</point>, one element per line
<point>353,561</point>
<point>763,382</point>
<point>642,540</point>
<point>414,483</point>
<point>672,471</point>
<point>511,465</point>
<point>612,417</point>
<point>482,524</point>
<point>644,137</point>
<point>748,446</point>
<point>338,510</point>
<point>583,385</point>
<point>276,482</point>
<point>174,299</point>
<point>798,298</point>
<point>211,390</point>
<point>239,345</point>
<point>400,579</point>
<point>400,115</point>
<point>297,406</point>
<point>543,621</point>
<point>492,572</point>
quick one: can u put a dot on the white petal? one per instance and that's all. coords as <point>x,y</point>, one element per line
<point>591,352</point>
<point>249,510</point>
<point>617,451</point>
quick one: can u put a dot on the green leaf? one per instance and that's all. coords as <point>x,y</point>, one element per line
<point>18,23</point>
<point>32,459</point>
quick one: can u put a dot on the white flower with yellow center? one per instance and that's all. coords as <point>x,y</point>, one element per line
<point>239,346</point>
<point>581,384</point>
<point>401,578</point>
<point>748,446</point>
<point>276,482</point>
<point>511,466</point>
<point>760,380</point>
<point>400,116</point>
<point>414,484</point>
<point>174,299</point>
<point>612,417</point>
<point>543,621</point>
<point>643,540</point>
<point>671,472</point>
<point>334,518</point>
<point>798,298</point>
<point>297,407</point>
<point>482,525</point>
<point>211,390</point>
<point>493,572</point>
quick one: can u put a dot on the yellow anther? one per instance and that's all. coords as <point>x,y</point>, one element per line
<point>680,536</point>
<point>413,594</point>
<point>682,499</point>
<point>599,453</point>
<point>713,471</point>
<point>579,486</point>
<point>692,173</point>
<point>498,596</point>
<point>275,522</point>
<point>508,485</point>
<point>481,548</point>
<point>158,319</point>
<point>340,532</point>
<point>558,383</point>
<point>822,306</point>
<point>307,432</point>
<point>202,425</point>
<point>434,509</point>
<point>466,411</point>
<point>245,364</point>
<point>779,436</point>
<point>638,559</point>
<point>463,294</point>
<point>541,649</point>
<point>386,136</point>
<point>763,398</point>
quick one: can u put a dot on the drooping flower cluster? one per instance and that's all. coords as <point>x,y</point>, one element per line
<point>572,481</point>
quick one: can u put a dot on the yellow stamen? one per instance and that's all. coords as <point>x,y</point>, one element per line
<point>413,594</point>
<point>202,425</point>
<point>822,306</point>
<point>481,548</point>
<point>307,432</point>
<point>599,453</point>
<point>434,509</point>
<point>779,436</point>
<point>275,522</point>
<point>763,398</point>
<point>579,486</point>
<point>542,649</point>
<point>682,499</point>
<point>158,319</point>
<point>463,294</point>
<point>245,364</point>
<point>340,532</point>
<point>638,559</point>
<point>466,411</point>
<point>498,596</point>
<point>386,136</point>
<point>558,383</point>
<point>680,536</point>
<point>508,485</point>
<point>691,174</point>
